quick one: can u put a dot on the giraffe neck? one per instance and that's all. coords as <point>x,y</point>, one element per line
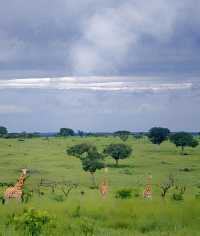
<point>20,183</point>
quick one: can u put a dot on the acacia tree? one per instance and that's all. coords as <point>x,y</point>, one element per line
<point>158,134</point>
<point>3,131</point>
<point>90,158</point>
<point>66,132</point>
<point>122,134</point>
<point>78,149</point>
<point>118,151</point>
<point>183,139</point>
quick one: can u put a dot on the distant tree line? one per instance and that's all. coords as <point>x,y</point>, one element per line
<point>157,135</point>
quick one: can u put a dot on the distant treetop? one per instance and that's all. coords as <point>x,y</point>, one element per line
<point>158,134</point>
<point>66,132</point>
<point>3,131</point>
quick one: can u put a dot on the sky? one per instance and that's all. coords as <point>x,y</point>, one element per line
<point>99,65</point>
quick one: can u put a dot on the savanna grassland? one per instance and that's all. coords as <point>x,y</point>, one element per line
<point>83,211</point>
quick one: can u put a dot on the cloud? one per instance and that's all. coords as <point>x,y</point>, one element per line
<point>133,84</point>
<point>93,37</point>
<point>7,109</point>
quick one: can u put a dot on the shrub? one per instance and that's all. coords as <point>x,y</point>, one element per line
<point>197,195</point>
<point>124,193</point>
<point>27,195</point>
<point>136,192</point>
<point>31,221</point>
<point>58,198</point>
<point>179,193</point>
<point>177,196</point>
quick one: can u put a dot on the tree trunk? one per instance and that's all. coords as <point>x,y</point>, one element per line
<point>93,179</point>
<point>117,162</point>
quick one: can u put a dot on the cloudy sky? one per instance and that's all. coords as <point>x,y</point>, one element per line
<point>100,65</point>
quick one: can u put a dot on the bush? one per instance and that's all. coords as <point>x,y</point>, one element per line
<point>124,193</point>
<point>177,196</point>
<point>31,221</point>
<point>179,193</point>
<point>136,192</point>
<point>58,198</point>
<point>27,195</point>
<point>197,195</point>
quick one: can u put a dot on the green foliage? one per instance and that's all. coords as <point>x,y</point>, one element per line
<point>183,139</point>
<point>92,160</point>
<point>31,221</point>
<point>87,227</point>
<point>3,131</point>
<point>197,195</point>
<point>122,134</point>
<point>158,134</point>
<point>179,192</point>
<point>27,194</point>
<point>77,211</point>
<point>124,193</point>
<point>136,192</point>
<point>66,132</point>
<point>138,135</point>
<point>2,200</point>
<point>118,151</point>
<point>111,216</point>
<point>57,197</point>
<point>167,185</point>
<point>78,149</point>
<point>22,135</point>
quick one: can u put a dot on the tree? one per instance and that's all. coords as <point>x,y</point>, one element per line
<point>78,149</point>
<point>81,133</point>
<point>90,158</point>
<point>118,151</point>
<point>183,139</point>
<point>157,135</point>
<point>138,135</point>
<point>66,132</point>
<point>122,134</point>
<point>3,131</point>
<point>92,161</point>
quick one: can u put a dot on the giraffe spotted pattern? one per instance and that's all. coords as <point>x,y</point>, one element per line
<point>16,191</point>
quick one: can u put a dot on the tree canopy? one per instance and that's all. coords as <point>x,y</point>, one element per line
<point>118,151</point>
<point>78,149</point>
<point>158,134</point>
<point>183,139</point>
<point>66,132</point>
<point>122,134</point>
<point>3,131</point>
<point>90,158</point>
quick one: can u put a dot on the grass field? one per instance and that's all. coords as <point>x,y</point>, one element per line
<point>89,214</point>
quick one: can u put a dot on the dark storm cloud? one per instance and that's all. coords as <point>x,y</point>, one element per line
<point>92,37</point>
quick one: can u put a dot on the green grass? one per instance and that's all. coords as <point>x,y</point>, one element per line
<point>110,216</point>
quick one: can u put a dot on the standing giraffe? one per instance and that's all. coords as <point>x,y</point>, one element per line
<point>16,191</point>
<point>104,185</point>
<point>148,189</point>
<point>103,188</point>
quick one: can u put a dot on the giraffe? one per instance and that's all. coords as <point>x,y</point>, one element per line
<point>104,184</point>
<point>17,190</point>
<point>103,188</point>
<point>148,189</point>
